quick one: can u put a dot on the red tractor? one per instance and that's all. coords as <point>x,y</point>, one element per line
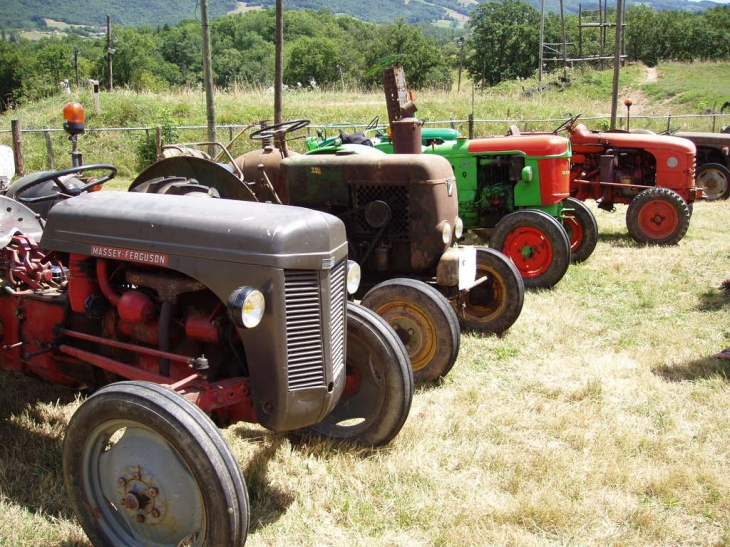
<point>653,174</point>
<point>175,311</point>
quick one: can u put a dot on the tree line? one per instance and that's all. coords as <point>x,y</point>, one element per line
<point>501,41</point>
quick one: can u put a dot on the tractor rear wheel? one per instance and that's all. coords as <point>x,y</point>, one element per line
<point>378,386</point>
<point>495,304</point>
<point>659,216</point>
<point>424,321</point>
<point>714,179</point>
<point>536,243</point>
<point>145,466</point>
<point>580,224</point>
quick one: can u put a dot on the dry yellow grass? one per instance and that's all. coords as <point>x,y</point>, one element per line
<point>600,418</point>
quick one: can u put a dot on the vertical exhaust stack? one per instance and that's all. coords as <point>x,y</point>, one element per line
<point>405,129</point>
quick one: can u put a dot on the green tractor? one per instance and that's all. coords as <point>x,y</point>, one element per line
<point>514,190</point>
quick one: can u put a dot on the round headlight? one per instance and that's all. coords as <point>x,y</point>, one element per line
<point>445,232</point>
<point>246,307</point>
<point>458,228</point>
<point>353,276</point>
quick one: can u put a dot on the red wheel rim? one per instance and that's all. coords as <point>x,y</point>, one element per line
<point>658,219</point>
<point>575,232</point>
<point>530,251</point>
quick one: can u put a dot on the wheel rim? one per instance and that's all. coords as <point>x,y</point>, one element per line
<point>575,232</point>
<point>364,395</point>
<point>414,328</point>
<point>486,300</point>
<point>530,250</point>
<point>658,219</point>
<point>145,492</point>
<point>713,183</point>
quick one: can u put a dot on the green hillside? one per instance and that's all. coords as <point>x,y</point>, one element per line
<point>25,14</point>
<point>18,14</point>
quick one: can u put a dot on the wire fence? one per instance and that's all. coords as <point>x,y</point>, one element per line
<point>471,127</point>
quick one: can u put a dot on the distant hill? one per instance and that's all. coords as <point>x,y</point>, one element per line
<point>17,14</point>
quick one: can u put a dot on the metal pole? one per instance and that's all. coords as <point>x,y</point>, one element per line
<point>460,41</point>
<point>207,73</point>
<point>109,52</point>
<point>565,53</point>
<point>279,61</point>
<point>76,67</point>
<point>542,39</point>
<point>616,62</point>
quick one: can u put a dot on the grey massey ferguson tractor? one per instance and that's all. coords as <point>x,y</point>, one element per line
<point>183,315</point>
<point>401,217</point>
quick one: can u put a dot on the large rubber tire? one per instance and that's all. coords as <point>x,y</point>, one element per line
<point>379,386</point>
<point>659,216</point>
<point>582,229</point>
<point>424,321</point>
<point>536,243</point>
<point>714,179</point>
<point>494,305</point>
<point>144,466</point>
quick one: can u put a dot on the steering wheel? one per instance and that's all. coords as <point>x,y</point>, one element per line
<point>567,124</point>
<point>279,128</point>
<point>373,123</point>
<point>65,190</point>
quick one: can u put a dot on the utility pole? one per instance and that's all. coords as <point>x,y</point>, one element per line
<point>207,72</point>
<point>76,66</point>
<point>109,52</point>
<point>279,61</point>
<point>617,60</point>
<point>542,39</point>
<point>460,42</point>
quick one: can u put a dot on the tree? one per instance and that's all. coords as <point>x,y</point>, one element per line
<point>312,59</point>
<point>422,60</point>
<point>505,41</point>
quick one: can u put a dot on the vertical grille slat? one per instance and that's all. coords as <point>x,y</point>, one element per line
<point>339,296</point>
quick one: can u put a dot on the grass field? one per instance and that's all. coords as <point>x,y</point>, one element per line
<point>600,418</point>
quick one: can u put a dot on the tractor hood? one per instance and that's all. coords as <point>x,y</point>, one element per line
<point>164,230</point>
<point>622,139</point>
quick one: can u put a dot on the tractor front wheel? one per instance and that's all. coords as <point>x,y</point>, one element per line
<point>378,386</point>
<point>714,179</point>
<point>496,302</point>
<point>536,243</point>
<point>144,466</point>
<point>580,224</point>
<point>659,216</point>
<point>423,320</point>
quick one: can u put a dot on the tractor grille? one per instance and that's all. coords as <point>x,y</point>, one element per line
<point>338,292</point>
<point>397,199</point>
<point>306,340</point>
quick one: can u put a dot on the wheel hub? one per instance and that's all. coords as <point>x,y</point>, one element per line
<point>140,496</point>
<point>527,251</point>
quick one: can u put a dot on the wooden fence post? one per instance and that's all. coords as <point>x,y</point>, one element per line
<point>49,149</point>
<point>17,147</point>
<point>158,140</point>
